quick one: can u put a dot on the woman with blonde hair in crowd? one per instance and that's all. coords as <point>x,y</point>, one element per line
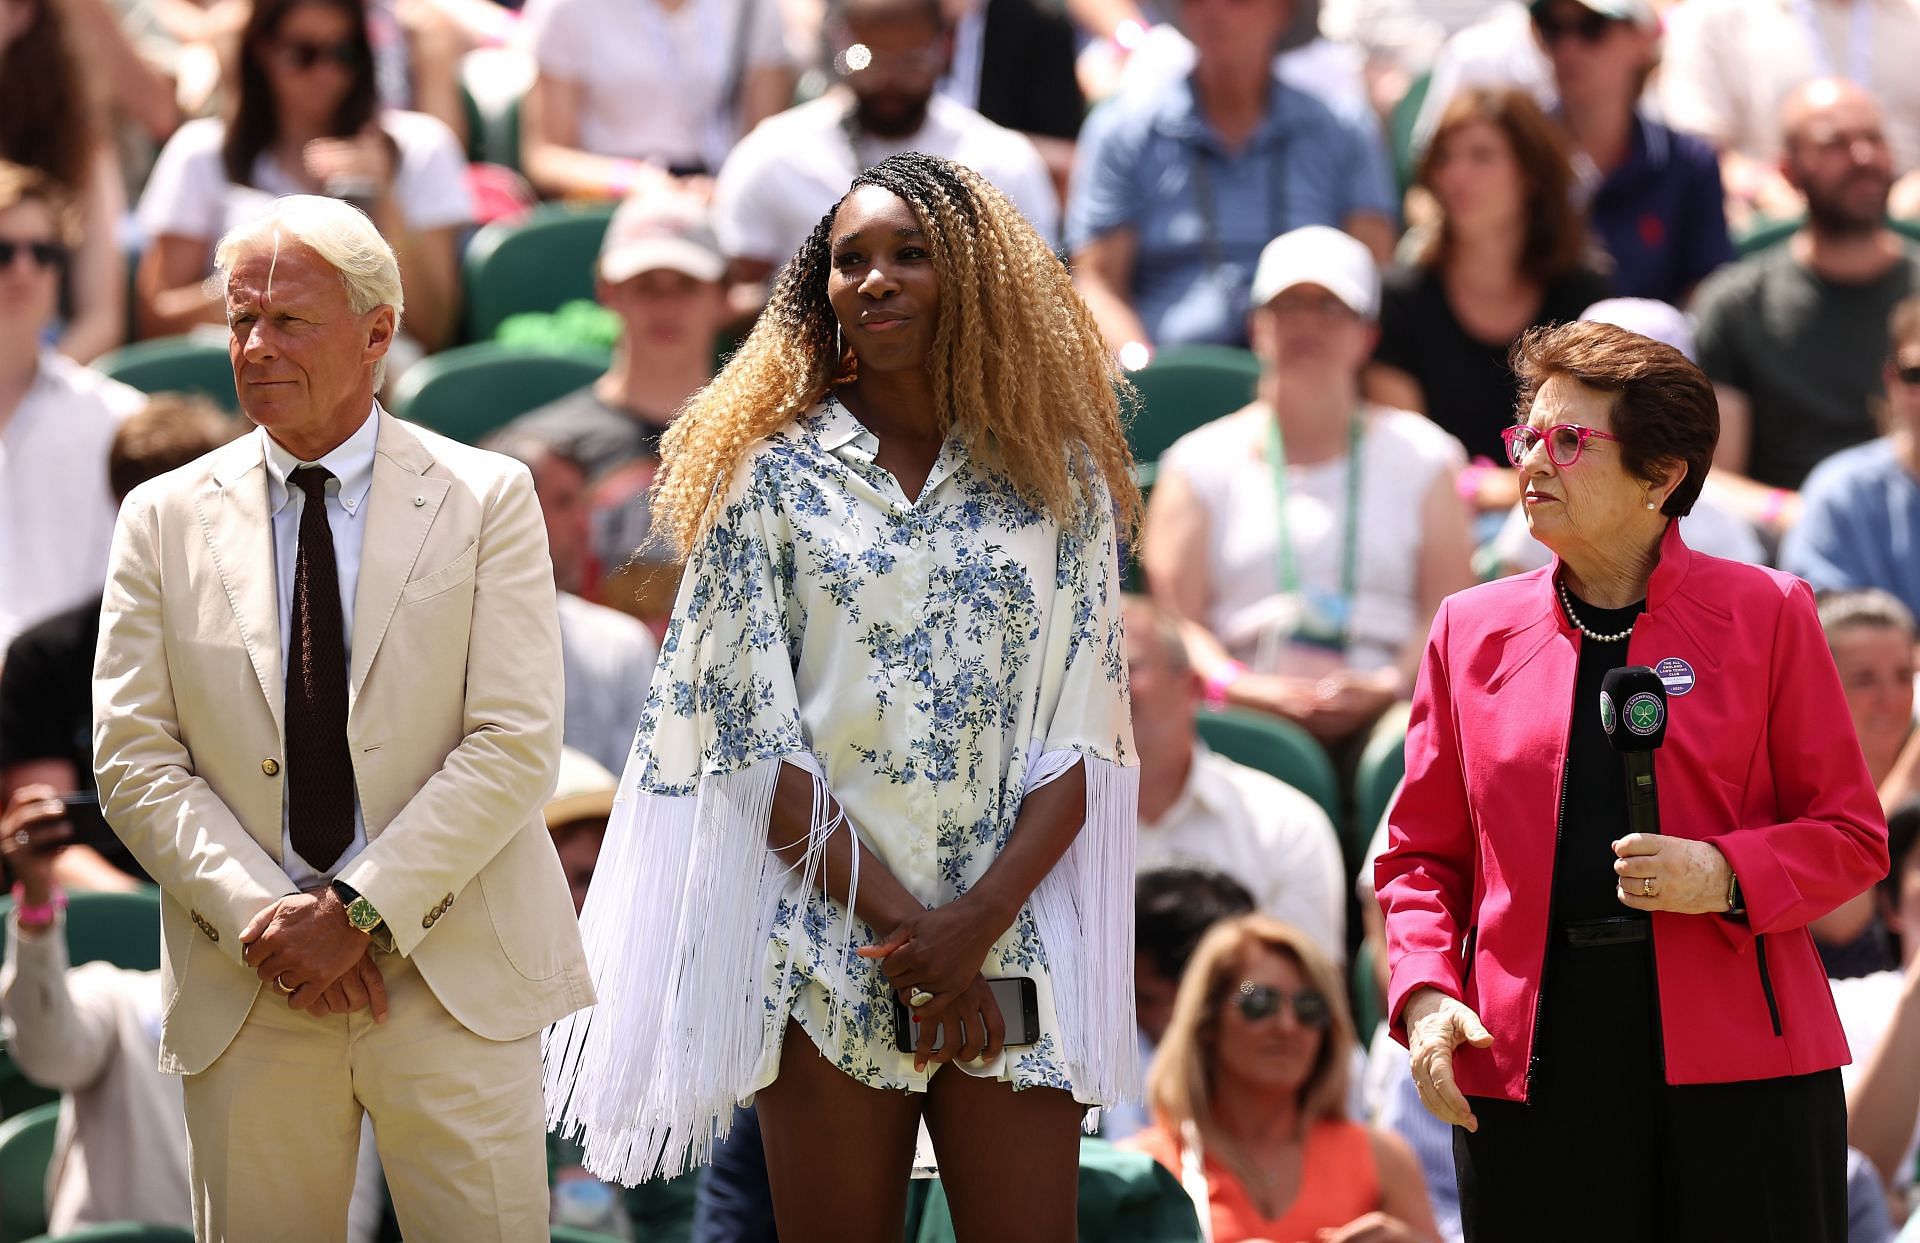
<point>1248,1093</point>
<point>886,757</point>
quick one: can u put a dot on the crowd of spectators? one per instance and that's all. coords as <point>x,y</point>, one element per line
<point>1374,199</point>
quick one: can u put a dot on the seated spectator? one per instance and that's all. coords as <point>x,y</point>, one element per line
<point>92,1032</point>
<point>1309,537</point>
<point>1173,907</point>
<point>1729,64</point>
<point>1201,809</point>
<point>889,56</point>
<point>1653,194</point>
<point>606,657</point>
<point>1508,253</point>
<point>306,121</point>
<point>46,675</point>
<point>1795,338</point>
<point>660,271</point>
<point>56,419</point>
<point>632,96</point>
<point>1401,39</point>
<point>1500,49</point>
<point>1249,1089</point>
<point>1860,509</point>
<point>49,123</point>
<point>1013,63</point>
<point>1180,183</point>
<point>1881,1015</point>
<point>1713,526</point>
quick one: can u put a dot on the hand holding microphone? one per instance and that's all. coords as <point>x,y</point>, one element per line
<point>1656,872</point>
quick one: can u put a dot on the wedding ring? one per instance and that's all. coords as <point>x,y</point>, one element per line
<point>1646,886</point>
<point>280,985</point>
<point>22,838</point>
<point>919,998</point>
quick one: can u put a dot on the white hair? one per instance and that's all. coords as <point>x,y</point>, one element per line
<point>343,237</point>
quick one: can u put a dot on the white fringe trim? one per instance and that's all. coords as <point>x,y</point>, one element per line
<point>1084,912</point>
<point>676,929</point>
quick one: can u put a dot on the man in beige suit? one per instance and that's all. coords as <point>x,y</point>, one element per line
<point>326,716</point>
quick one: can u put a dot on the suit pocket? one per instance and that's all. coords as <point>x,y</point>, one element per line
<point>447,577</point>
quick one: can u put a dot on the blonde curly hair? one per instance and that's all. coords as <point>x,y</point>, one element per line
<point>1019,370</point>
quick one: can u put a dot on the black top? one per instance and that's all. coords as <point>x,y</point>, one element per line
<point>46,712</point>
<point>1468,388</point>
<point>1595,801</point>
<point>600,437</point>
<point>1027,78</point>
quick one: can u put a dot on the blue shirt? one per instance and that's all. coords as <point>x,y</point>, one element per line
<point>1662,214</point>
<point>1151,162</point>
<point>1859,525</point>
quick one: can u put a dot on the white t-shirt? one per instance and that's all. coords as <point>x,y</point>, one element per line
<point>1866,1004</point>
<point>653,81</point>
<point>56,509</point>
<point>1263,833</point>
<point>1225,463</point>
<point>189,195</point>
<point>795,166</point>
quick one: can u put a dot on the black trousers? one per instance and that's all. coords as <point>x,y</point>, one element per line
<point>1606,1151</point>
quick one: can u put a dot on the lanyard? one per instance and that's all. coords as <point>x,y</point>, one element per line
<point>1212,252</point>
<point>1288,572</point>
<point>1859,42</point>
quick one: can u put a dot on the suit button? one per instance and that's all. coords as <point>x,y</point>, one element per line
<point>270,767</point>
<point>426,921</point>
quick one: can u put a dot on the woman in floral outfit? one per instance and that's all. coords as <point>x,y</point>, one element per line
<point>887,751</point>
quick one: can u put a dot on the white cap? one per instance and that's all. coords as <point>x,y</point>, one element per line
<point>1639,12</point>
<point>1665,324</point>
<point>654,230</point>
<point>1318,255</point>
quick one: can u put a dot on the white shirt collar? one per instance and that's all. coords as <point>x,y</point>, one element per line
<point>1200,792</point>
<point>351,463</point>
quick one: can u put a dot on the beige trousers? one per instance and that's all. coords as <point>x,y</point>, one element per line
<point>274,1124</point>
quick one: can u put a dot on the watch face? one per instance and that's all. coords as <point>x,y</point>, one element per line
<point>362,915</point>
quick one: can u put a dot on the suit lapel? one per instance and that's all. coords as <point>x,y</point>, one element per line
<point>239,532</point>
<point>402,505</point>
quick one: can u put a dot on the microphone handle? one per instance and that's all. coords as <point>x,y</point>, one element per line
<point>1643,807</point>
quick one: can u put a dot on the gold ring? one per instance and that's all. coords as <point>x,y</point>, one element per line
<point>1646,886</point>
<point>281,987</point>
<point>920,998</point>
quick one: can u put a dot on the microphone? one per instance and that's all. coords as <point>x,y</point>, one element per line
<point>1633,709</point>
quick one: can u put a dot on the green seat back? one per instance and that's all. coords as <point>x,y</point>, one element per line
<point>1765,233</point>
<point>536,264</point>
<point>470,391</point>
<point>1400,127</point>
<point>574,1234</point>
<point>26,1147</point>
<point>187,364</point>
<point>1382,764</point>
<point>121,1232</point>
<point>1184,387</point>
<point>1279,748</point>
<point>1125,1197</point>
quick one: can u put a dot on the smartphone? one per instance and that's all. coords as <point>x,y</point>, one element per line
<point>1019,1004</point>
<point>83,813</point>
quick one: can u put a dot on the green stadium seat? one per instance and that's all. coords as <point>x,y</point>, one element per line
<point>1382,763</point>
<point>1183,387</point>
<point>26,1148</point>
<point>536,264</point>
<point>1762,234</point>
<point>574,1234</point>
<point>1276,747</point>
<point>121,1232</point>
<point>470,391</point>
<point>184,364</point>
<point>1125,1197</point>
<point>1400,127</point>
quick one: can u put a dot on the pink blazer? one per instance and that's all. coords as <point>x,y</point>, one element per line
<point>1759,759</point>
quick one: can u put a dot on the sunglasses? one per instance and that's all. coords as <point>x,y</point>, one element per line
<point>46,255</point>
<point>302,55</point>
<point>1590,28</point>
<point>1909,376</point>
<point>1564,442</point>
<point>1258,1002</point>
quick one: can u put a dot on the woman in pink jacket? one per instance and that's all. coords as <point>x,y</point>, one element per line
<point>1631,1032</point>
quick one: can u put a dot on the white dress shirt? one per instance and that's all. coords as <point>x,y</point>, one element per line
<point>352,467</point>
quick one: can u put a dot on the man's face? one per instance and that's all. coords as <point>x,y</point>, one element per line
<point>1164,695</point>
<point>664,311</point>
<point>1235,30</point>
<point>302,361</point>
<point>1153,996</point>
<point>1594,58</point>
<point>1837,155</point>
<point>892,80</point>
<point>578,846</point>
<point>565,503</point>
<point>30,278</point>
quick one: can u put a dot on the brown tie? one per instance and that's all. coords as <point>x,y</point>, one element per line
<point>319,765</point>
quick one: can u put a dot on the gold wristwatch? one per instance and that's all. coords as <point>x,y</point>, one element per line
<point>360,912</point>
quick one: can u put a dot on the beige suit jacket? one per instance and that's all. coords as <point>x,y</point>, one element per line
<point>454,723</point>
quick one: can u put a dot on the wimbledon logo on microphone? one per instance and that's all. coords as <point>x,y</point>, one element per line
<point>1606,712</point>
<point>1643,713</point>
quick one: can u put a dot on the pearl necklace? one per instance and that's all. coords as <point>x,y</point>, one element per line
<point>1566,602</point>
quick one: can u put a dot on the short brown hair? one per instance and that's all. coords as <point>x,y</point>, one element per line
<point>171,430</point>
<point>20,184</point>
<point>1664,410</point>
<point>1903,325</point>
<point>1556,236</point>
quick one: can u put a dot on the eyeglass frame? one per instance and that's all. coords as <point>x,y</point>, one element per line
<point>1583,433</point>
<point>306,55</point>
<point>46,256</point>
<point>1247,996</point>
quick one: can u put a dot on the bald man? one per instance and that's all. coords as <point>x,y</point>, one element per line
<point>1794,337</point>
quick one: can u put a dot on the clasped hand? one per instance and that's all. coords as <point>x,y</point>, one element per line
<point>1676,874</point>
<point>940,952</point>
<point>304,943</point>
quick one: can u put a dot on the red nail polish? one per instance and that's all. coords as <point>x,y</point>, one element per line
<point>916,1018</point>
